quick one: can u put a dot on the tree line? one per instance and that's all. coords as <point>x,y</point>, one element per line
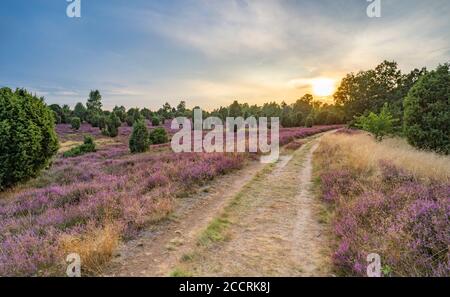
<point>415,105</point>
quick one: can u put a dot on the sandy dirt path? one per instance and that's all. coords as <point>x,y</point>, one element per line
<point>273,230</point>
<point>272,227</point>
<point>157,250</point>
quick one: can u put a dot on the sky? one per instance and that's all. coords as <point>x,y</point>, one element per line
<point>142,53</point>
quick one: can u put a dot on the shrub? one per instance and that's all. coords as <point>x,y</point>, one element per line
<point>76,123</point>
<point>88,146</point>
<point>94,120</point>
<point>379,125</point>
<point>139,139</point>
<point>112,125</point>
<point>133,115</point>
<point>427,111</point>
<point>158,136</point>
<point>27,136</point>
<point>102,120</point>
<point>155,120</point>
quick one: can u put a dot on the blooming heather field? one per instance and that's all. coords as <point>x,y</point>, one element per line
<point>87,204</point>
<point>386,198</point>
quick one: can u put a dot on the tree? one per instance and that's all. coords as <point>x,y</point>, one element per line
<point>146,113</point>
<point>367,91</point>
<point>427,111</point>
<point>66,114</point>
<point>181,109</point>
<point>155,121</point>
<point>379,125</point>
<point>309,122</point>
<point>112,125</point>
<point>57,111</point>
<point>80,111</point>
<point>139,140</point>
<point>76,123</point>
<point>158,136</point>
<point>120,112</point>
<point>27,136</point>
<point>133,115</point>
<point>94,104</point>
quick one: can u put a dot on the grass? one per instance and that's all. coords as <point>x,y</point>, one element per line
<point>386,198</point>
<point>177,272</point>
<point>366,153</point>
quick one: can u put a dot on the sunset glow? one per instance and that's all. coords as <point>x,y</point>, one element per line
<point>323,87</point>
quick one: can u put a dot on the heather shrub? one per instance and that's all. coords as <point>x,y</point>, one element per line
<point>76,123</point>
<point>384,209</point>
<point>139,140</point>
<point>27,136</point>
<point>427,111</point>
<point>88,146</point>
<point>158,136</point>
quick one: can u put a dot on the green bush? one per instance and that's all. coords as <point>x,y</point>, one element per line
<point>133,115</point>
<point>112,125</point>
<point>102,120</point>
<point>139,139</point>
<point>158,136</point>
<point>427,111</point>
<point>27,136</point>
<point>379,125</point>
<point>155,121</point>
<point>76,123</point>
<point>88,146</point>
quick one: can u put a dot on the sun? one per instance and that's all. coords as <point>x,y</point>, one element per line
<point>323,87</point>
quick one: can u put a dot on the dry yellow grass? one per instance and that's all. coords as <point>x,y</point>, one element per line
<point>364,153</point>
<point>95,248</point>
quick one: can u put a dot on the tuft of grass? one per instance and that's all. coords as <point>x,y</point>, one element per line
<point>188,257</point>
<point>177,272</point>
<point>95,248</point>
<point>214,232</point>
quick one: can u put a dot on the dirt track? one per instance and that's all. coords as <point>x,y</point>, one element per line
<point>273,228</point>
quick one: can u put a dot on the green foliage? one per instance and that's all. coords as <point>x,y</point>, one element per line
<point>309,122</point>
<point>120,113</point>
<point>88,146</point>
<point>94,108</point>
<point>133,115</point>
<point>379,125</point>
<point>76,123</point>
<point>427,111</point>
<point>367,91</point>
<point>139,140</point>
<point>158,136</point>
<point>112,125</point>
<point>155,121</point>
<point>102,120</point>
<point>146,113</point>
<point>80,111</point>
<point>27,136</point>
